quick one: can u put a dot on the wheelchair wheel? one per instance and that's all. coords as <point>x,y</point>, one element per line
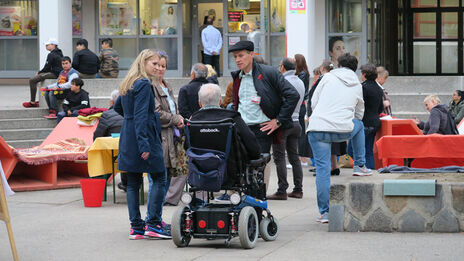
<point>269,229</point>
<point>179,237</point>
<point>248,227</point>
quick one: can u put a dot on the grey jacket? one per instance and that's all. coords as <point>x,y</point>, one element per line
<point>298,84</point>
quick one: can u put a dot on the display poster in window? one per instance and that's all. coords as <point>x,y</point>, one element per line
<point>339,45</point>
<point>297,6</point>
<point>118,18</point>
<point>12,23</point>
<point>76,17</point>
<point>168,19</point>
<point>241,4</point>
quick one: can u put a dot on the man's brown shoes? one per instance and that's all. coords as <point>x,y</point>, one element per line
<point>277,196</point>
<point>295,194</point>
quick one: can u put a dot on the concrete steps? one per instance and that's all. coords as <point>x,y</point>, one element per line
<point>25,128</point>
<point>407,93</point>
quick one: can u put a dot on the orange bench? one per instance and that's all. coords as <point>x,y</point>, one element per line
<point>61,174</point>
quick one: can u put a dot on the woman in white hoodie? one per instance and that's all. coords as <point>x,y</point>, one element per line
<point>338,108</point>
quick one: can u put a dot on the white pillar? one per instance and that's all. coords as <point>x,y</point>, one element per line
<point>55,21</point>
<point>306,33</point>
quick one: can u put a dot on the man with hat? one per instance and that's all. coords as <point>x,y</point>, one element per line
<point>263,97</point>
<point>51,70</point>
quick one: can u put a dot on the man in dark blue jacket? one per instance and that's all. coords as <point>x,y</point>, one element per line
<point>85,61</point>
<point>188,94</point>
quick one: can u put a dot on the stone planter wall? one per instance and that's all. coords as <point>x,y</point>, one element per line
<point>363,207</point>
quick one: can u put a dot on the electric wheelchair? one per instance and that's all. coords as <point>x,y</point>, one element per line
<point>246,214</point>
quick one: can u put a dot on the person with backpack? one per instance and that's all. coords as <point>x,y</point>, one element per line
<point>439,120</point>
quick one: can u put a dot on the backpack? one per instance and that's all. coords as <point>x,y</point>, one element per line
<point>451,125</point>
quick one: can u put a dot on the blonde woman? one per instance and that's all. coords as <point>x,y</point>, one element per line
<point>140,146</point>
<point>212,74</point>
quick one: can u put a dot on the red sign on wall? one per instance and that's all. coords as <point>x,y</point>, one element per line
<point>297,6</point>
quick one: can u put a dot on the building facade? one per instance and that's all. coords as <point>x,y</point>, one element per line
<point>409,37</point>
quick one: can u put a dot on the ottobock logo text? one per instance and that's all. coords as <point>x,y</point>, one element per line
<point>209,130</point>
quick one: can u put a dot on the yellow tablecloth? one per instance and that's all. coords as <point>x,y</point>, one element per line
<point>99,162</point>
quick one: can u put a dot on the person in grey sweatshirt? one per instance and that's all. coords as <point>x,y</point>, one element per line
<point>338,109</point>
<point>438,120</point>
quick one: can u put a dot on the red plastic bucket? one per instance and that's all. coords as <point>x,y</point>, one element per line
<point>92,191</point>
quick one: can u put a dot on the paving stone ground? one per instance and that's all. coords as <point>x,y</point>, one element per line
<point>54,225</point>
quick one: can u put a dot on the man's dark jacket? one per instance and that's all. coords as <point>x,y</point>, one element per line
<point>188,97</point>
<point>278,96</point>
<point>247,142</point>
<point>76,101</point>
<point>110,122</point>
<point>85,61</point>
<point>53,64</point>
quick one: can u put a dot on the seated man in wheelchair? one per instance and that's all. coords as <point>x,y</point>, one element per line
<point>223,154</point>
<point>244,146</point>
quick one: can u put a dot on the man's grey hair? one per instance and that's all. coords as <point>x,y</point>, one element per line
<point>209,94</point>
<point>199,70</point>
<point>114,95</point>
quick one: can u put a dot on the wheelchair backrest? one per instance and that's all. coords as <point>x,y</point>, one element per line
<point>209,134</point>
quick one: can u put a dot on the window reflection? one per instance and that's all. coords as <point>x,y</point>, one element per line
<point>117,17</point>
<point>158,17</point>
<point>345,16</point>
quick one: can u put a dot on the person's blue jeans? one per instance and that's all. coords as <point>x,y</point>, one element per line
<point>154,202</point>
<point>98,76</point>
<point>369,133</point>
<point>321,145</point>
<point>166,188</point>
<point>356,145</point>
<point>63,114</point>
<point>52,101</point>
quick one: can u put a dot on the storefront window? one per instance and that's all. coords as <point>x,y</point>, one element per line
<point>449,25</point>
<point>126,51</point>
<point>345,16</point>
<point>118,17</point>
<point>244,16</point>
<point>158,17</point>
<point>423,3</point>
<point>76,17</point>
<point>449,3</point>
<point>18,18</point>
<point>425,25</point>
<point>278,12</point>
<point>425,57</point>
<point>18,30</point>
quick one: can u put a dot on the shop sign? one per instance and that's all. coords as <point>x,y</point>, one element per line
<point>235,39</point>
<point>297,6</point>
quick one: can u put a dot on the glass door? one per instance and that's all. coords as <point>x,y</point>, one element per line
<point>244,22</point>
<point>204,9</point>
